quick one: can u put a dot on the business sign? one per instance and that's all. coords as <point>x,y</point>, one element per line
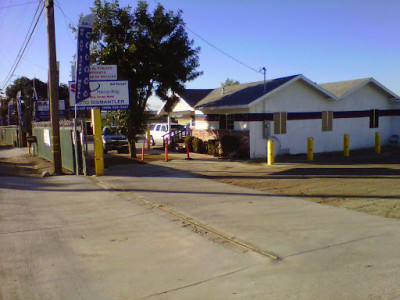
<point>104,95</point>
<point>103,72</point>
<point>43,109</point>
<point>83,58</point>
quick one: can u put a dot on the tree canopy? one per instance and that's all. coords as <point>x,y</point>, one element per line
<point>151,50</point>
<point>25,85</point>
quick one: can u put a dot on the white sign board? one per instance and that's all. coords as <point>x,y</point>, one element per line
<point>99,72</point>
<point>103,72</point>
<point>104,95</point>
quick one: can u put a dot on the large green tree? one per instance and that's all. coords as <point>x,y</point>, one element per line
<point>152,51</point>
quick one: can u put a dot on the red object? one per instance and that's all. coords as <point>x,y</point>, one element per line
<point>187,150</point>
<point>144,141</point>
<point>166,149</point>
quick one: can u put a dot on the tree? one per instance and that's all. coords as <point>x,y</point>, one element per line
<point>25,85</point>
<point>229,82</point>
<point>152,51</point>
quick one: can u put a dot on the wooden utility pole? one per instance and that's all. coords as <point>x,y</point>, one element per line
<point>53,88</point>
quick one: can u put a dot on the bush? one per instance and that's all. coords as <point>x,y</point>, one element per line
<point>213,147</point>
<point>230,144</point>
<point>189,142</point>
<point>198,145</point>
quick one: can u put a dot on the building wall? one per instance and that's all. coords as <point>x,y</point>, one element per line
<point>299,97</point>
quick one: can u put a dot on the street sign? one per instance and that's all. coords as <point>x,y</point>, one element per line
<point>104,95</point>
<point>103,72</point>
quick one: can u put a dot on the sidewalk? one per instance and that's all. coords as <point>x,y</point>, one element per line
<point>325,252</point>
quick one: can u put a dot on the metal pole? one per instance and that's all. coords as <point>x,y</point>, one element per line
<point>53,88</point>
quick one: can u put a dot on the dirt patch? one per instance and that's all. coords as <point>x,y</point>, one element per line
<point>25,165</point>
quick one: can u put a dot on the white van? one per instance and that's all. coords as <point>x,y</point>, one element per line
<point>160,130</point>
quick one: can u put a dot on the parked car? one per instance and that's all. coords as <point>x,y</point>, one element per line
<point>157,131</point>
<point>114,139</point>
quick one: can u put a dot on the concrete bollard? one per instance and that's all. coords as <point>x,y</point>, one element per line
<point>143,146</point>
<point>166,149</point>
<point>377,142</point>
<point>310,149</point>
<point>270,152</point>
<point>346,145</point>
<point>187,151</point>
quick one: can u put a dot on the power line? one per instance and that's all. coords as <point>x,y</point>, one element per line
<point>16,5</point>
<point>23,47</point>
<point>218,49</point>
<point>65,16</point>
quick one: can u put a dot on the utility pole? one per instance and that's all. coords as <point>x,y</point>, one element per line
<point>53,88</point>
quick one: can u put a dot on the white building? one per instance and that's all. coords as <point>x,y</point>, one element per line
<point>291,109</point>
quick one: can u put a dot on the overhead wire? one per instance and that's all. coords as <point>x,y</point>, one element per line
<point>218,49</point>
<point>16,5</point>
<point>25,44</point>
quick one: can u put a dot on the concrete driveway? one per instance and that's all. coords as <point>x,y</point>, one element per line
<point>150,231</point>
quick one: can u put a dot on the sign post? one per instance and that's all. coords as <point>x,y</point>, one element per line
<point>82,72</point>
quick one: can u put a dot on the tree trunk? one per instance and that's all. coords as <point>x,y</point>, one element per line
<point>132,148</point>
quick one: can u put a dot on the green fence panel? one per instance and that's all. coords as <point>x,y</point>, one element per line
<point>43,142</point>
<point>9,136</point>
<point>67,150</point>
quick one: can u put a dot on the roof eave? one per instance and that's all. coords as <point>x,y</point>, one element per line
<point>329,95</point>
<point>203,108</point>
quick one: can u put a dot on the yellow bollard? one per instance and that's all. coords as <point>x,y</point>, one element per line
<point>310,150</point>
<point>377,142</point>
<point>148,139</point>
<point>346,145</point>
<point>98,142</point>
<point>270,152</point>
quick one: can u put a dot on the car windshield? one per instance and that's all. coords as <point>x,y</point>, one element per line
<point>113,131</point>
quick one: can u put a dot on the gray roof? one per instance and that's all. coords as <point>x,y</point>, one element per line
<point>241,94</point>
<point>193,96</point>
<point>340,88</point>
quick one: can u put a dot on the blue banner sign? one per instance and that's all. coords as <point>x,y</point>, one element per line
<point>83,64</point>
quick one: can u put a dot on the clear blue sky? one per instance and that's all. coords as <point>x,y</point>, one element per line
<point>326,41</point>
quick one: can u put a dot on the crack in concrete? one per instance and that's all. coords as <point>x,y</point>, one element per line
<point>333,245</point>
<point>193,284</point>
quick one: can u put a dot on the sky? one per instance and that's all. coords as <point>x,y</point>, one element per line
<point>326,41</point>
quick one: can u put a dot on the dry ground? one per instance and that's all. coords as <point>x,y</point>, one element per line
<point>365,181</point>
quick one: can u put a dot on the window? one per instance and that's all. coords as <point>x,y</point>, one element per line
<point>226,122</point>
<point>280,122</point>
<point>374,118</point>
<point>327,117</point>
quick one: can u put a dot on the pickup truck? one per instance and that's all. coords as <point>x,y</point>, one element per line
<point>157,131</point>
